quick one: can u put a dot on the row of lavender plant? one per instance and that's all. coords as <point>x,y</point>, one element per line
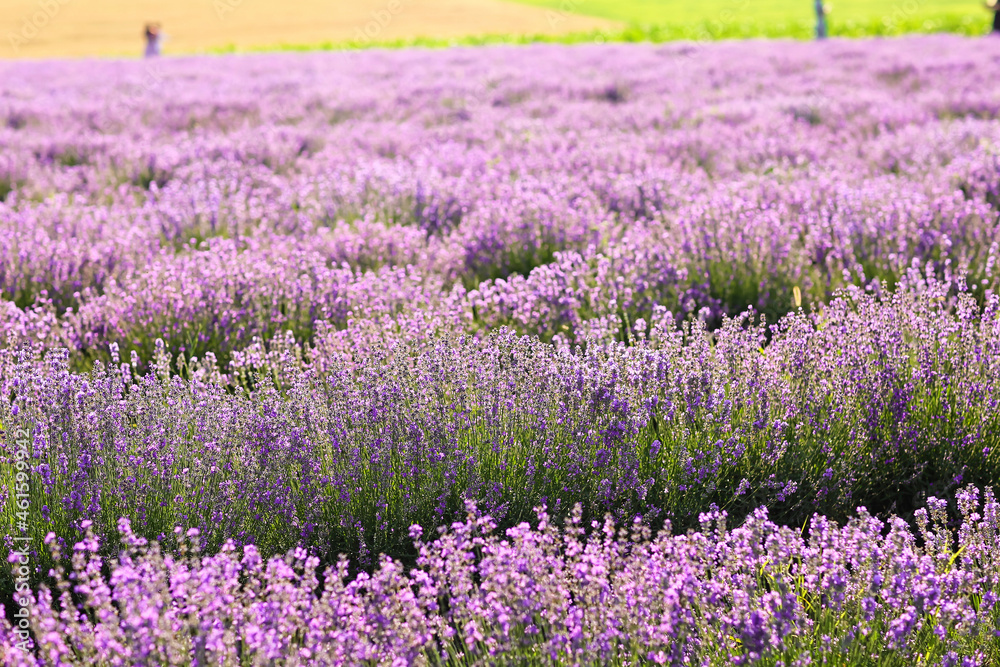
<point>208,201</point>
<point>874,401</point>
<point>761,594</point>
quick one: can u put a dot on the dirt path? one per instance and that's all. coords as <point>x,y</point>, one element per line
<point>51,28</point>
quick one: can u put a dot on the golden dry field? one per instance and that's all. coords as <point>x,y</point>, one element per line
<point>75,28</point>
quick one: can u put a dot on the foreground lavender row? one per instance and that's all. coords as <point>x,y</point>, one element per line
<point>208,201</point>
<point>865,593</point>
<point>342,447</point>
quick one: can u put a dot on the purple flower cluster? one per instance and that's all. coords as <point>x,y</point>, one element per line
<point>761,593</point>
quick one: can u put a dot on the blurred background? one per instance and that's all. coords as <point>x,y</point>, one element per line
<point>107,28</point>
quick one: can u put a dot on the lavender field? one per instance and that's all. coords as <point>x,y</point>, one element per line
<point>621,354</point>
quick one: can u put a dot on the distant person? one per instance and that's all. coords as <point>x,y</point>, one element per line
<point>994,6</point>
<point>821,12</point>
<point>152,40</point>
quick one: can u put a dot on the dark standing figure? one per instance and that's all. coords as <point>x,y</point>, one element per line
<point>821,19</point>
<point>994,6</point>
<point>152,40</point>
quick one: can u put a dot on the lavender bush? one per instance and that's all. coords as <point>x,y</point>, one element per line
<point>872,401</point>
<point>759,594</point>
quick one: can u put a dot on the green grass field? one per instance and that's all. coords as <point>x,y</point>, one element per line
<point>671,19</point>
<point>677,11</point>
